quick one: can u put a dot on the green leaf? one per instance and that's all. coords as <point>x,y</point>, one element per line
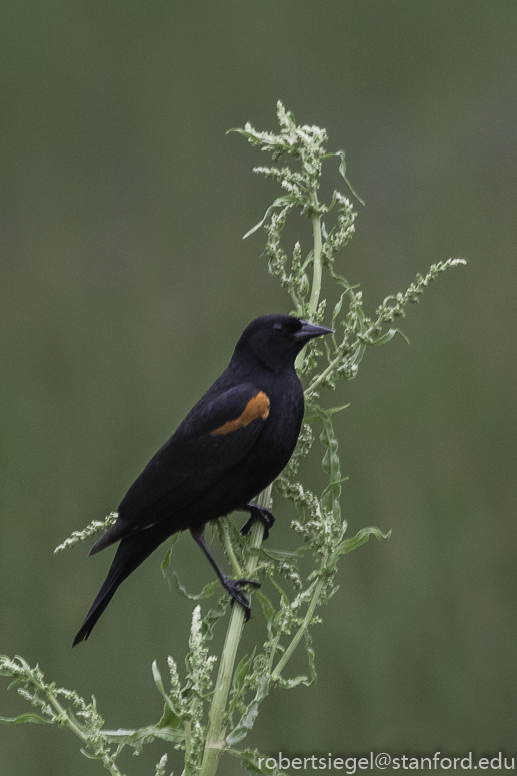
<point>337,310</point>
<point>243,670</point>
<point>358,355</point>
<point>311,655</point>
<point>242,729</point>
<point>208,590</point>
<point>212,617</point>
<point>331,411</point>
<point>288,684</point>
<point>283,556</point>
<point>285,597</point>
<point>90,755</point>
<point>29,716</point>
<point>280,202</point>
<point>389,336</point>
<point>142,735</point>
<point>361,537</point>
<point>166,562</point>
<point>268,610</point>
<point>331,467</point>
<point>171,717</point>
<point>169,720</point>
<point>158,679</point>
<point>342,170</point>
<point>247,720</point>
<point>327,491</point>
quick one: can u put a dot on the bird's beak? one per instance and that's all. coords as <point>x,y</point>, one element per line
<point>310,330</point>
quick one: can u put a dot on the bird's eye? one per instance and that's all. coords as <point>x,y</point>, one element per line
<point>278,327</point>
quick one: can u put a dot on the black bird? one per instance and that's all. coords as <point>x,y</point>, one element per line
<point>232,445</point>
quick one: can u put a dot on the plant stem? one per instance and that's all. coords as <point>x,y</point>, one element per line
<point>320,379</point>
<point>311,310</point>
<point>227,544</point>
<point>317,264</point>
<point>78,730</point>
<point>215,741</point>
<point>317,269</point>
<point>301,630</point>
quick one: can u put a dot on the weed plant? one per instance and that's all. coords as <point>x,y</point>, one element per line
<point>206,716</point>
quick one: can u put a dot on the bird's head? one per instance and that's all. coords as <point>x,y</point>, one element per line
<point>276,340</point>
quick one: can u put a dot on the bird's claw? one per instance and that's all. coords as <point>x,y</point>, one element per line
<point>233,587</point>
<point>258,513</point>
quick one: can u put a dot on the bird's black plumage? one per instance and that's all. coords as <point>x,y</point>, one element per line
<point>232,444</point>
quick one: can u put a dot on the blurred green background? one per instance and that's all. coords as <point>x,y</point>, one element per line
<point>125,284</point>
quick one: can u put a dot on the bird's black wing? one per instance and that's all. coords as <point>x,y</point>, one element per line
<point>212,439</point>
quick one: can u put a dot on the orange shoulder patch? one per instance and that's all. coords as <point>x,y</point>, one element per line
<point>257,407</point>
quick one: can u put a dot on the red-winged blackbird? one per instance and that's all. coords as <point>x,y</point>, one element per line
<point>232,445</point>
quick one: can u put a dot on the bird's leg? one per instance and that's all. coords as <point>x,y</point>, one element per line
<point>257,513</point>
<point>232,586</point>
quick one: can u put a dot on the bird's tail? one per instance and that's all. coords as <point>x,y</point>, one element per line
<point>130,554</point>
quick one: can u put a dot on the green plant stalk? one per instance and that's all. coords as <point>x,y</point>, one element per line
<point>78,730</point>
<point>301,630</point>
<point>311,310</point>
<point>228,546</point>
<point>188,747</point>
<point>320,379</point>
<point>306,620</point>
<point>317,270</point>
<point>317,265</point>
<point>215,741</point>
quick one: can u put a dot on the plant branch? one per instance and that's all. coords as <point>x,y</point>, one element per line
<point>215,741</point>
<point>317,265</point>
<point>301,630</point>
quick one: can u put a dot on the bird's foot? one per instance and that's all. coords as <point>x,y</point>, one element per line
<point>258,513</point>
<point>233,587</point>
